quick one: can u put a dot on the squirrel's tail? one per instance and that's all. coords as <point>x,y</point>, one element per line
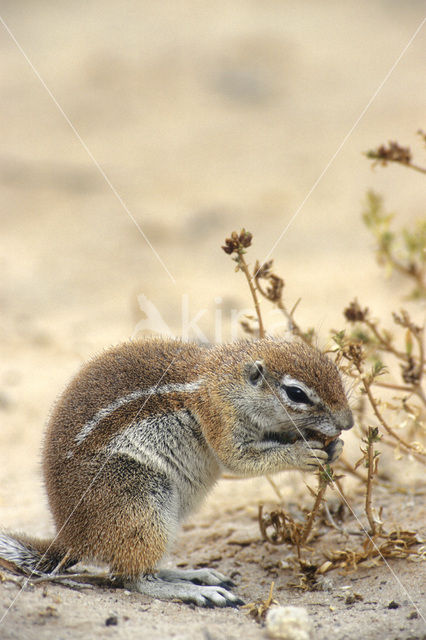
<point>31,555</point>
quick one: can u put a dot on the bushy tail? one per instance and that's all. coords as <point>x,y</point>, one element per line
<point>31,555</point>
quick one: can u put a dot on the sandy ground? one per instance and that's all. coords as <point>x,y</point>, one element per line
<point>194,119</point>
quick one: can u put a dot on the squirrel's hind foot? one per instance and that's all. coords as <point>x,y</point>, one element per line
<point>209,577</point>
<point>184,585</point>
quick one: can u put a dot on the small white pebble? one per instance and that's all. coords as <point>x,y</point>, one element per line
<point>288,623</point>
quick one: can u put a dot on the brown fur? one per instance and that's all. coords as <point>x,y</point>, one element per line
<point>299,360</point>
<point>114,509</point>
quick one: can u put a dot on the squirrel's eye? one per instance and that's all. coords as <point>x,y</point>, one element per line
<point>296,394</point>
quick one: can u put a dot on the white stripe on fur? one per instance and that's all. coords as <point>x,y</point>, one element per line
<point>86,430</point>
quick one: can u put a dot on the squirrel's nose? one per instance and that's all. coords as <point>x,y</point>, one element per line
<point>344,419</point>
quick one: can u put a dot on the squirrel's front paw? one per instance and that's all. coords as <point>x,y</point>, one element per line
<point>334,449</point>
<point>309,455</point>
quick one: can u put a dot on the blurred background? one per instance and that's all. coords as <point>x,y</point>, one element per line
<point>187,120</point>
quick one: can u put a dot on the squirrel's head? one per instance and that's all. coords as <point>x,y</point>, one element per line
<point>293,390</point>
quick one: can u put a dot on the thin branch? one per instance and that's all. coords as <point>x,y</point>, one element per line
<point>395,387</point>
<point>275,488</point>
<point>416,167</point>
<point>334,525</point>
<point>350,469</point>
<point>383,422</point>
<point>386,342</point>
<point>322,488</point>
<point>370,477</point>
<point>244,268</point>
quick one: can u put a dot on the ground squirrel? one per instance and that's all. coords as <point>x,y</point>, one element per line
<point>144,430</point>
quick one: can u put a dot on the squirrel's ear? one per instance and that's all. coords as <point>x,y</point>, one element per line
<point>255,372</point>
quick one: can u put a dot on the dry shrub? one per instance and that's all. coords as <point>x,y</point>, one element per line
<point>391,411</point>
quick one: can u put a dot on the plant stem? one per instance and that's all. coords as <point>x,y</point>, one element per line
<point>396,387</point>
<point>244,268</point>
<point>350,469</point>
<point>419,337</point>
<point>322,487</point>
<point>293,327</point>
<point>275,488</point>
<point>383,422</point>
<point>369,485</point>
<point>416,167</point>
<point>385,342</point>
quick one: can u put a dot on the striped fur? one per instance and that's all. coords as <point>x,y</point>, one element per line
<point>106,412</point>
